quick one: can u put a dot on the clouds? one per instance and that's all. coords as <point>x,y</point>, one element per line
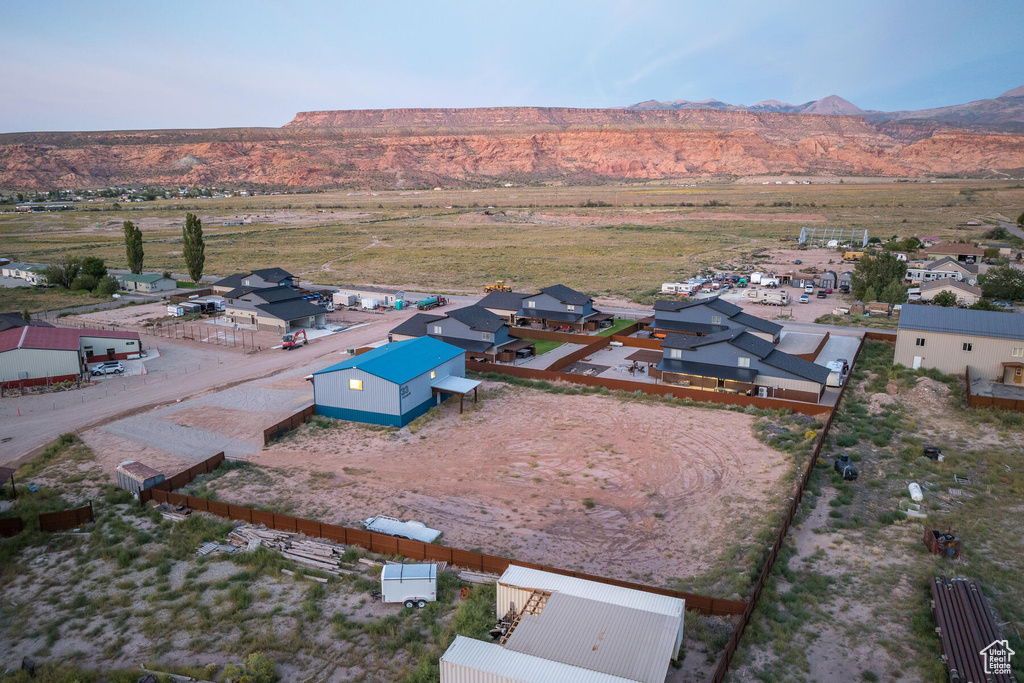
<point>190,64</point>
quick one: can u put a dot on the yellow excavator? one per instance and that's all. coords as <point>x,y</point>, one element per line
<point>498,286</point>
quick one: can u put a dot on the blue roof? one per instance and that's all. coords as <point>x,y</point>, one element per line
<point>400,361</point>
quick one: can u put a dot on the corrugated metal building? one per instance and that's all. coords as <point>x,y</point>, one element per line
<point>34,356</point>
<point>950,339</point>
<point>391,385</point>
<point>474,661</point>
<point>595,629</point>
<point>135,476</point>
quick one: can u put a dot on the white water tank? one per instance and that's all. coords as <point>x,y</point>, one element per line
<point>915,493</point>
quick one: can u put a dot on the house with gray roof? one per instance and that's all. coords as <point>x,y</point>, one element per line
<point>951,340</point>
<point>708,316</point>
<point>505,304</point>
<point>561,306</point>
<point>274,309</point>
<point>474,329</point>
<point>735,360</point>
<point>256,279</point>
<point>146,282</point>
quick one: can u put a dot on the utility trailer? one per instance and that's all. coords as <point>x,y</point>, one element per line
<point>413,585</point>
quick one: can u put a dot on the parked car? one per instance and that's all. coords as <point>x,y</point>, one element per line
<point>804,299</point>
<point>821,294</point>
<point>809,289</point>
<point>110,367</point>
<point>797,262</point>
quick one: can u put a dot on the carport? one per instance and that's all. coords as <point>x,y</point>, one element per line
<point>455,385</point>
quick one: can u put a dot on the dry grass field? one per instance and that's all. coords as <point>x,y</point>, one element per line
<point>614,240</point>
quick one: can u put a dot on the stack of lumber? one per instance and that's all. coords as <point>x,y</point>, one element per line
<point>477,577</point>
<point>308,552</point>
<point>966,628</point>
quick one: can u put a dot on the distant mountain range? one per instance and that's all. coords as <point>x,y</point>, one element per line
<point>1004,112</point>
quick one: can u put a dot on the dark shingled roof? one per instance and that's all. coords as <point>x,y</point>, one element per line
<point>9,320</point>
<point>962,321</point>
<point>755,346</point>
<point>538,314</point>
<point>689,341</point>
<point>273,295</point>
<point>478,318</point>
<point>566,295</point>
<point>471,345</point>
<point>416,326</point>
<point>273,274</point>
<point>504,301</point>
<point>757,323</point>
<point>290,310</point>
<point>677,304</point>
<point>680,326</point>
<point>949,260</point>
<point>238,292</point>
<point>797,366</point>
<point>231,280</point>
<point>687,367</point>
<point>717,304</point>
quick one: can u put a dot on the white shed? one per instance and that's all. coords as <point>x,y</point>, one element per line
<point>474,661</point>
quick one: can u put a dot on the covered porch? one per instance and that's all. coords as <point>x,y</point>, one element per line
<point>455,385</point>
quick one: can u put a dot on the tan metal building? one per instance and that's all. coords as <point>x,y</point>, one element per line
<point>34,356</point>
<point>951,339</point>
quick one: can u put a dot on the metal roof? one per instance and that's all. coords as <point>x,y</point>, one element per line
<point>399,572</point>
<point>963,321</point>
<point>455,384</point>
<point>148,278</point>
<point>567,295</point>
<point>54,338</point>
<point>138,471</point>
<point>400,361</point>
<point>536,579</point>
<point>478,318</point>
<point>591,634</point>
<point>472,345</point>
<point>508,666</point>
<point>503,301</point>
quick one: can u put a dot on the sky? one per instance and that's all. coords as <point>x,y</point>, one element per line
<point>116,65</point>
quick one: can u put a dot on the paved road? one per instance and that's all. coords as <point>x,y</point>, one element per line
<point>184,370</point>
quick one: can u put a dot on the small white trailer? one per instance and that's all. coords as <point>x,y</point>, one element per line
<point>410,584</point>
<point>768,297</point>
<point>175,311</point>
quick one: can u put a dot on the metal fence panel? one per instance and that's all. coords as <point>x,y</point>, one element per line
<point>11,526</point>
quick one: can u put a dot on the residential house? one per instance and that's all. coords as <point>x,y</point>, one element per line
<point>274,309</point>
<point>146,282</point>
<point>951,339</point>
<point>32,273</point>
<point>414,327</point>
<point>257,279</point>
<point>478,331</point>
<point>966,294</point>
<point>392,384</point>
<point>708,316</point>
<point>559,305</point>
<point>505,304</point>
<point>9,320</point>
<point>965,253</point>
<point>945,268</point>
<point>827,279</point>
<point>736,361</point>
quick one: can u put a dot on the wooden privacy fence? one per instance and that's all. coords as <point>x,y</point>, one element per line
<point>780,537</point>
<point>65,519</point>
<point>285,426</point>
<point>417,550</point>
<point>11,526</point>
<point>593,347</point>
<point>183,478</point>
<point>975,401</point>
<point>647,388</point>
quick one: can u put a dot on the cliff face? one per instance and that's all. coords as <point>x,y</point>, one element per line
<point>414,147</point>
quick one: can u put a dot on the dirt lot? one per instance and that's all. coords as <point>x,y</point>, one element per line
<point>623,489</point>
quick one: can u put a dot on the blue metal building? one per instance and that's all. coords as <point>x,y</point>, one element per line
<point>393,384</point>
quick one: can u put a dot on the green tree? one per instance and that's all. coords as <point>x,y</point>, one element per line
<point>876,272</point>
<point>869,295</point>
<point>945,298</point>
<point>1020,219</point>
<point>27,315</point>
<point>893,293</point>
<point>985,305</point>
<point>133,247</point>
<point>193,247</point>
<point>256,668</point>
<point>63,273</point>
<point>107,286</point>
<point>84,282</point>
<point>1004,282</point>
<point>94,266</point>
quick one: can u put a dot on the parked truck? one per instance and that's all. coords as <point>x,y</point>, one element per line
<point>768,297</point>
<point>409,584</point>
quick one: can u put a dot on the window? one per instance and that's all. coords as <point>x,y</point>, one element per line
<point>919,342</point>
<point>675,353</point>
<point>744,362</point>
<point>1017,351</point>
<point>716,320</point>
<point>968,346</point>
<point>433,374</point>
<point>437,329</point>
<point>355,384</point>
<point>570,308</point>
<point>531,304</point>
<point>486,336</point>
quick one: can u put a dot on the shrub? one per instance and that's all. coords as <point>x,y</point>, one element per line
<point>256,668</point>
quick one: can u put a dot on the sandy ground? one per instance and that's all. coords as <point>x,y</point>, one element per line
<point>671,487</point>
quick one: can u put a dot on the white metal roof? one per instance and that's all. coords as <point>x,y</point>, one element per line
<point>595,635</point>
<point>507,666</point>
<point>535,579</point>
<point>455,385</point>
<point>417,531</point>
<point>400,572</point>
